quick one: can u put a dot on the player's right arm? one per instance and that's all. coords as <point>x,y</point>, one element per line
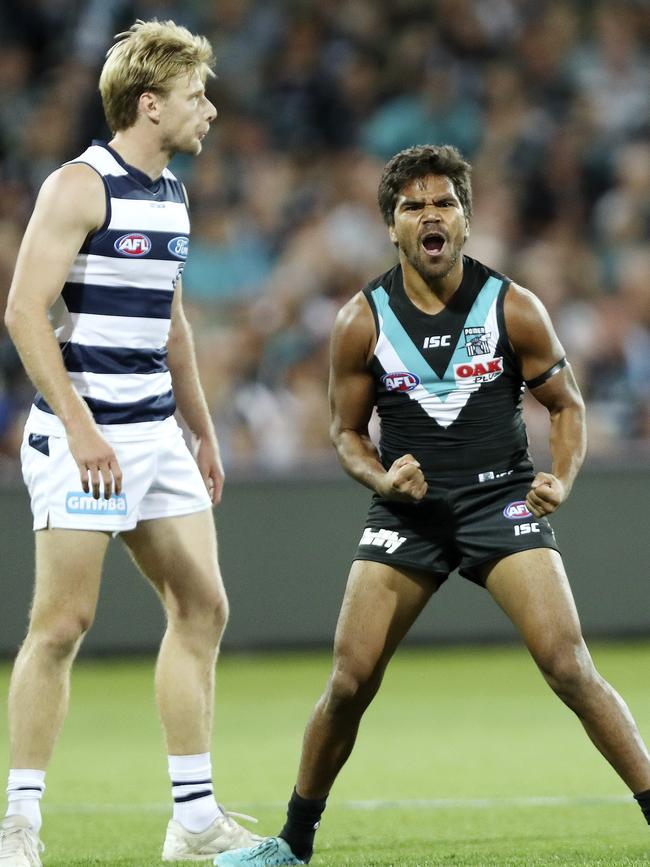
<point>352,398</point>
<point>70,205</point>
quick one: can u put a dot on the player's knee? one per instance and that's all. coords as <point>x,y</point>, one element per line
<point>60,637</point>
<point>220,614</point>
<point>351,688</point>
<point>568,669</point>
<point>203,612</point>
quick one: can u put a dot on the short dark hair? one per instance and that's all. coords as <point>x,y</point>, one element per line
<point>417,162</point>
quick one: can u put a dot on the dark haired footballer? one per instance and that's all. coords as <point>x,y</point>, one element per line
<point>443,347</point>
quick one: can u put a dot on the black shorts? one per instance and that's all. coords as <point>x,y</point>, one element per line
<point>461,523</point>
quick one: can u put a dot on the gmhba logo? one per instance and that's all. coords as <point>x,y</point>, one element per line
<point>81,503</point>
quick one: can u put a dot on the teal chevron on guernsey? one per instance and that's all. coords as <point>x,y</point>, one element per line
<point>410,355</point>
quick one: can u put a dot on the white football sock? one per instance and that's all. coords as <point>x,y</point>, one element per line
<point>24,792</point>
<point>195,806</point>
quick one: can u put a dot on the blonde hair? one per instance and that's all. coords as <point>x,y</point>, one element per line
<point>147,57</point>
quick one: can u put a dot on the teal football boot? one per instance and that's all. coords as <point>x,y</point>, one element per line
<point>272,852</point>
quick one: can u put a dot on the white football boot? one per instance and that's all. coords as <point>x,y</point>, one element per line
<point>223,834</point>
<point>20,845</point>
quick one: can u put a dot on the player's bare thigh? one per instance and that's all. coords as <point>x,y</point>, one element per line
<point>380,605</point>
<point>179,556</point>
<point>68,576</point>
<point>533,590</point>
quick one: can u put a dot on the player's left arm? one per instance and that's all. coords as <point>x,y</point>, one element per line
<point>190,397</point>
<point>551,381</point>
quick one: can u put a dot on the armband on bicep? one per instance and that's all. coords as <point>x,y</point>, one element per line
<point>544,377</point>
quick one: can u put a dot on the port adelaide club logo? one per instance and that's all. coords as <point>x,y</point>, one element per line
<point>477,341</point>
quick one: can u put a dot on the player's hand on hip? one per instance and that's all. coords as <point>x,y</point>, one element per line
<point>546,493</point>
<point>98,465</point>
<point>404,481</point>
<point>208,459</point>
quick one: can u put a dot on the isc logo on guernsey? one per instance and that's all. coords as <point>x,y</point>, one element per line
<point>133,244</point>
<point>80,503</point>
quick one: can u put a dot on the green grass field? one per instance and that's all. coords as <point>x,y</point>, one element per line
<point>465,758</point>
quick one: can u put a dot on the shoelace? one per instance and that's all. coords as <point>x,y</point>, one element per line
<point>269,849</point>
<point>14,841</point>
<point>233,815</point>
<point>266,847</point>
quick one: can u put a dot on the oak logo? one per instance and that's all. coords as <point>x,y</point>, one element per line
<point>479,371</point>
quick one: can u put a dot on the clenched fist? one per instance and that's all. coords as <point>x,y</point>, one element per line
<point>403,481</point>
<point>546,493</point>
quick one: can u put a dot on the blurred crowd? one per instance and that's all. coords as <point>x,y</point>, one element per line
<point>549,99</point>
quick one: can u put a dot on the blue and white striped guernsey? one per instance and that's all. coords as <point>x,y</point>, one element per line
<point>113,316</point>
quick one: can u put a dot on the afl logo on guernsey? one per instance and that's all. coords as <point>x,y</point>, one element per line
<point>134,244</point>
<point>400,381</point>
<point>517,510</point>
<point>179,246</point>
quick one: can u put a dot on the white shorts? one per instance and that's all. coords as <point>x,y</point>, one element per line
<point>160,480</point>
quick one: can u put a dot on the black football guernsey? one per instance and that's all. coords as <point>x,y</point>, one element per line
<point>448,385</point>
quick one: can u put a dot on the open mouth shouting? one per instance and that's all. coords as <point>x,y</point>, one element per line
<point>433,243</point>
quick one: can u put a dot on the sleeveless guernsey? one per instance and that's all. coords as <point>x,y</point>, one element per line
<point>113,316</point>
<point>448,385</point>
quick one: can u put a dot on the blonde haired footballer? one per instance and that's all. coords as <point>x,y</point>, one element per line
<point>96,313</point>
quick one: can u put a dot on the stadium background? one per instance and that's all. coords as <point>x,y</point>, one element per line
<point>464,758</point>
<point>551,103</point>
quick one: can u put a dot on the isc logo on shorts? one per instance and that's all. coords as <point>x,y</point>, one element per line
<point>80,503</point>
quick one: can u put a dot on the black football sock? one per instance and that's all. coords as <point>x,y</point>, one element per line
<point>643,799</point>
<point>303,819</point>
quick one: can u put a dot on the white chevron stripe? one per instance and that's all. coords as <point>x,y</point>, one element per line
<point>443,412</point>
